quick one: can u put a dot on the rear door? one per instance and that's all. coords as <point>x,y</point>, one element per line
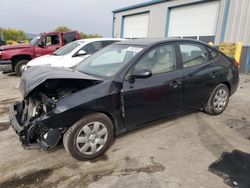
<point>158,96</point>
<point>200,74</point>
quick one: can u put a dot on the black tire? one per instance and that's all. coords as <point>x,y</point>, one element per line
<point>70,136</point>
<point>210,107</point>
<point>18,66</point>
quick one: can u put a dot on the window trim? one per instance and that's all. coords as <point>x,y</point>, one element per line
<point>132,68</point>
<point>195,43</point>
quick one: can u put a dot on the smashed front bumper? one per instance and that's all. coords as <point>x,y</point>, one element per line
<point>32,135</point>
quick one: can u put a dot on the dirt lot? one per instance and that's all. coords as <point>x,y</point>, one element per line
<point>172,153</point>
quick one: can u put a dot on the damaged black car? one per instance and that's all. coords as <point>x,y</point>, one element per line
<point>120,88</point>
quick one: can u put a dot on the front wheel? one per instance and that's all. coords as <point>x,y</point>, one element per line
<point>89,137</point>
<point>20,67</point>
<point>218,100</point>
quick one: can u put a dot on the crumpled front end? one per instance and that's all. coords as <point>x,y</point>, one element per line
<point>34,118</point>
<point>26,118</point>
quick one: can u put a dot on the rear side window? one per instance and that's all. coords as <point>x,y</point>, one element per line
<point>92,47</point>
<point>193,54</point>
<point>213,52</point>
<point>69,37</point>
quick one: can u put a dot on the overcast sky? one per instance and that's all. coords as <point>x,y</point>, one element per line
<point>88,16</point>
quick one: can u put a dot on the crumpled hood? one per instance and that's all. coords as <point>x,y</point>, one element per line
<point>35,76</point>
<point>17,46</point>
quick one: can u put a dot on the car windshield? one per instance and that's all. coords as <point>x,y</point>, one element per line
<point>34,40</point>
<point>67,48</point>
<point>108,61</point>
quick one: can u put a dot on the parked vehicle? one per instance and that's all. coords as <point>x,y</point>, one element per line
<point>118,89</point>
<point>73,53</point>
<point>14,57</point>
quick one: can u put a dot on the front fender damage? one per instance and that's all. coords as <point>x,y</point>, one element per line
<point>34,118</point>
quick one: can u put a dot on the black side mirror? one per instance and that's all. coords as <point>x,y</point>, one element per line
<point>141,73</point>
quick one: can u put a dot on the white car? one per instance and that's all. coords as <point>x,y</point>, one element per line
<point>72,53</point>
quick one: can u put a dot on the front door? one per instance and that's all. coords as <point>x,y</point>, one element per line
<point>49,44</point>
<point>159,96</point>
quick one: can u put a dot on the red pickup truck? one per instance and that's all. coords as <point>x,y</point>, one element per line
<point>14,57</point>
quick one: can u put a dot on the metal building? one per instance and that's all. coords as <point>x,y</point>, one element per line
<point>207,20</point>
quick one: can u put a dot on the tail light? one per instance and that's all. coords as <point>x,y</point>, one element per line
<point>236,63</point>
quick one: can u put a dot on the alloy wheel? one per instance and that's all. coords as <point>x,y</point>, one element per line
<point>91,138</point>
<point>220,100</point>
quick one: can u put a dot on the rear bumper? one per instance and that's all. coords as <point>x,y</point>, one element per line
<point>6,65</point>
<point>234,88</point>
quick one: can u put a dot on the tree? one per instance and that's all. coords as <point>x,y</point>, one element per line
<point>82,35</point>
<point>13,34</point>
<point>85,36</point>
<point>62,29</point>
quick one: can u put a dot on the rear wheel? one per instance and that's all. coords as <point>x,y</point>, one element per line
<point>20,65</point>
<point>218,100</point>
<point>89,137</point>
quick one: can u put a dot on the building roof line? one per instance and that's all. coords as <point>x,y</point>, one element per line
<point>152,2</point>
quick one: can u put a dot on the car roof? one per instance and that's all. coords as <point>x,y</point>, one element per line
<point>152,41</point>
<point>100,39</point>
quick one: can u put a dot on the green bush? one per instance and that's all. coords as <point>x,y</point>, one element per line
<point>12,34</point>
<point>62,29</point>
<point>82,35</point>
<point>85,36</point>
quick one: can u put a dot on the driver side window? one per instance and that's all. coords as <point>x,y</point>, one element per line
<point>50,40</point>
<point>159,60</point>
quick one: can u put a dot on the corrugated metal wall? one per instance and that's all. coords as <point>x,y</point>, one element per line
<point>238,24</point>
<point>157,19</point>
<point>234,18</point>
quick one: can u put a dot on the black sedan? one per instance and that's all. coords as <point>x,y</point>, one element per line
<point>120,88</point>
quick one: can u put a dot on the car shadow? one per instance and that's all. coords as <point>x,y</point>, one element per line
<point>10,74</point>
<point>149,125</point>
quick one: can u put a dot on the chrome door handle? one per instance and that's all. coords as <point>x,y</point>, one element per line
<point>175,84</point>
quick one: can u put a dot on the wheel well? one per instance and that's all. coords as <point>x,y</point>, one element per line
<point>15,59</point>
<point>111,117</point>
<point>228,85</point>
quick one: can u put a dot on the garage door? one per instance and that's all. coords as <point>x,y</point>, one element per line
<point>194,20</point>
<point>136,26</point>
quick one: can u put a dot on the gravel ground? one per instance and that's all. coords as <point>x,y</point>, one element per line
<point>171,153</point>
